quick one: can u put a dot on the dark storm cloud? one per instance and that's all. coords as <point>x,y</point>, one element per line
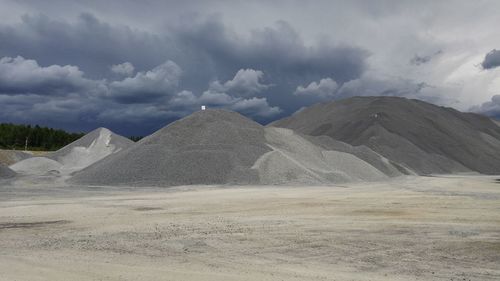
<point>491,60</point>
<point>103,74</point>
<point>277,49</point>
<point>86,42</point>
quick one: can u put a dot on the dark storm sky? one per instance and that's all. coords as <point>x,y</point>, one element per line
<point>134,66</point>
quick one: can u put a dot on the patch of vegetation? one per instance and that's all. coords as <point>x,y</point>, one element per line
<point>14,136</point>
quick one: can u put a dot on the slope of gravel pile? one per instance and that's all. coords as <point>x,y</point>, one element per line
<point>9,157</point>
<point>378,161</point>
<point>36,166</point>
<point>89,149</point>
<point>412,134</point>
<point>206,147</point>
<point>6,172</point>
<point>496,122</point>
<point>294,159</point>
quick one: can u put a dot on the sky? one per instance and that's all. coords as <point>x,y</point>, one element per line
<point>135,66</point>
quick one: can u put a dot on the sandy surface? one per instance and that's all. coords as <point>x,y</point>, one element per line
<point>419,228</point>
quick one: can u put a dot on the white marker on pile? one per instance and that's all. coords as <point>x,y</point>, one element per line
<point>203,107</point>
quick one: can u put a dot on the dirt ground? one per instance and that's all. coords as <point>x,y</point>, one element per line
<point>417,228</point>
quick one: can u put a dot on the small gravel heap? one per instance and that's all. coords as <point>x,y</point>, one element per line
<point>36,166</point>
<point>89,149</point>
<point>77,155</point>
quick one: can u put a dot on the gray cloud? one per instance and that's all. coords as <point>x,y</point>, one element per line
<point>418,60</point>
<point>490,108</point>
<point>323,89</point>
<point>20,76</point>
<point>231,94</point>
<point>123,69</point>
<point>147,86</point>
<point>491,60</point>
<point>246,82</point>
<point>149,96</point>
<point>370,85</point>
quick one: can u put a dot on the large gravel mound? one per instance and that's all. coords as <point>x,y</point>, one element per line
<point>294,159</point>
<point>207,147</point>
<point>36,166</point>
<point>412,134</point>
<point>89,149</point>
<point>6,172</point>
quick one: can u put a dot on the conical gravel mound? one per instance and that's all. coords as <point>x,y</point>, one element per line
<point>77,155</point>
<point>207,147</point>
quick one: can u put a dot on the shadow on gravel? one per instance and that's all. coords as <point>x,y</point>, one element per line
<point>31,224</point>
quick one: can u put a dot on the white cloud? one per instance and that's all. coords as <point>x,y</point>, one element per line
<point>235,94</point>
<point>255,107</point>
<point>146,86</point>
<point>324,89</point>
<point>123,69</point>
<point>21,76</point>
<point>246,82</point>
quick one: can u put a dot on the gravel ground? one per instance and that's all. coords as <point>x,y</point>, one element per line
<point>409,228</point>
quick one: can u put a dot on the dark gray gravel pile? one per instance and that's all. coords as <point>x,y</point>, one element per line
<point>410,133</point>
<point>207,147</point>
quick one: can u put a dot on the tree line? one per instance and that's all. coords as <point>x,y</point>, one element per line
<point>14,136</point>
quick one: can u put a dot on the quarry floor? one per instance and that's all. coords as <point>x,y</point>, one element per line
<point>415,228</point>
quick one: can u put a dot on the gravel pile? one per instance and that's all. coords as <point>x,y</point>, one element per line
<point>411,134</point>
<point>77,155</point>
<point>89,149</point>
<point>6,172</point>
<point>223,147</point>
<point>36,166</point>
<point>206,147</point>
